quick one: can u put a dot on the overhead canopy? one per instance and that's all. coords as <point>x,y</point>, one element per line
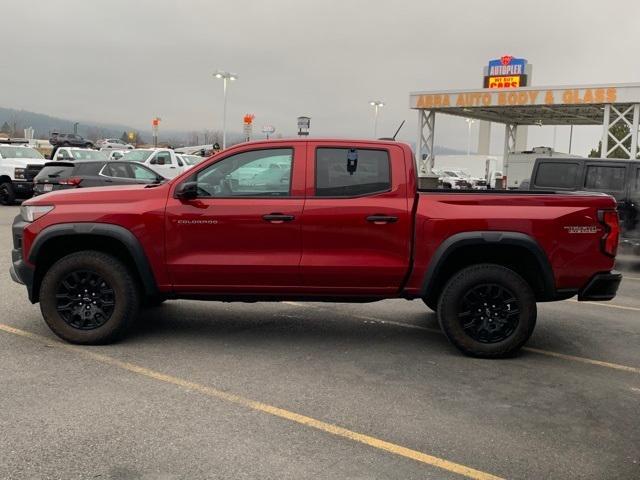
<point>557,105</point>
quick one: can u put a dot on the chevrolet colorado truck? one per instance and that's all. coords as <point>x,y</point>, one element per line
<point>314,220</point>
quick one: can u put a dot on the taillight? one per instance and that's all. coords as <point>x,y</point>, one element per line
<point>609,218</point>
<point>73,181</point>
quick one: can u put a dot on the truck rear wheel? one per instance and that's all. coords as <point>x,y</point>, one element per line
<point>89,298</point>
<point>487,311</point>
<point>7,194</point>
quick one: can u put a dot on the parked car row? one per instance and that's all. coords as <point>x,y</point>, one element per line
<point>63,175</point>
<point>459,179</point>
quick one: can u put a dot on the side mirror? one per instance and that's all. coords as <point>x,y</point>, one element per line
<point>161,179</point>
<point>187,191</point>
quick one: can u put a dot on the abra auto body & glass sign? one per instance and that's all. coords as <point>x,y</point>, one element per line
<point>529,96</point>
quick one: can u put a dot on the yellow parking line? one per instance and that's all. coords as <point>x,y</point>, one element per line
<point>604,304</point>
<point>549,353</point>
<point>263,407</point>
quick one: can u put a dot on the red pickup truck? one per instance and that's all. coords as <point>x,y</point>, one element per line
<point>317,220</point>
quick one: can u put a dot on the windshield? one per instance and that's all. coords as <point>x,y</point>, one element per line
<point>88,155</point>
<point>19,152</point>
<point>137,155</point>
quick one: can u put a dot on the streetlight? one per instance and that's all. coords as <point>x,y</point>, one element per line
<point>225,76</point>
<point>376,104</point>
<point>470,121</point>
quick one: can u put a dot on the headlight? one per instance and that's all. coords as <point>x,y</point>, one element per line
<point>19,173</point>
<point>30,213</point>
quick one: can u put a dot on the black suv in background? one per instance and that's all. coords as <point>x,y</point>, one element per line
<point>69,140</point>
<point>618,178</point>
<point>92,173</point>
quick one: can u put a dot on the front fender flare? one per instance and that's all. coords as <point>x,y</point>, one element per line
<point>116,232</point>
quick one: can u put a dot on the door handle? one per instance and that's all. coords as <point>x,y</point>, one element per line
<point>381,219</point>
<point>278,218</point>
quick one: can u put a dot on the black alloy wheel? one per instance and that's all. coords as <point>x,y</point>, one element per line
<point>89,297</point>
<point>487,310</point>
<point>489,313</point>
<point>85,300</point>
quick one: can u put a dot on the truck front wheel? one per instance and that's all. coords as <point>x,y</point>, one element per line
<point>487,310</point>
<point>7,194</point>
<point>89,298</point>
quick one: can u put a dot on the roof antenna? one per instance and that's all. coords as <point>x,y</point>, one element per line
<point>395,134</point>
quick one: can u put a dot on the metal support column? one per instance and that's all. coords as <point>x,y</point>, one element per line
<point>510,136</point>
<point>424,146</point>
<point>604,143</point>
<point>621,115</point>
<point>635,125</point>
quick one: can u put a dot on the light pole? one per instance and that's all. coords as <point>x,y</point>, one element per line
<point>225,76</point>
<point>470,121</point>
<point>377,105</point>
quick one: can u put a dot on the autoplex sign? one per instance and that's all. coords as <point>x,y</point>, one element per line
<point>506,72</point>
<point>562,96</point>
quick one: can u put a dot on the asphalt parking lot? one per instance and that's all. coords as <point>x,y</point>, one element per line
<point>304,390</point>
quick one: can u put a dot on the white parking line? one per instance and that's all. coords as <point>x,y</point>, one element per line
<point>604,304</point>
<point>549,353</point>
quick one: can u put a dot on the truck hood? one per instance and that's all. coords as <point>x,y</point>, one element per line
<point>23,162</point>
<point>117,194</point>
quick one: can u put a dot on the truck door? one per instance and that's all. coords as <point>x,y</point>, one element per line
<point>162,163</point>
<point>357,223</point>
<point>243,231</point>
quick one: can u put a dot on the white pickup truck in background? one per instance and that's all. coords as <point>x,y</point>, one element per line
<point>19,163</point>
<point>162,160</point>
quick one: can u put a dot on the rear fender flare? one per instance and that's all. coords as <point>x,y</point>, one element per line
<point>465,239</point>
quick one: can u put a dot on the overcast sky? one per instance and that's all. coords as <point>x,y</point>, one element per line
<point>125,61</point>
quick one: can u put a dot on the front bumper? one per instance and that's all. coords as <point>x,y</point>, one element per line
<point>23,189</point>
<point>601,287</point>
<point>20,271</point>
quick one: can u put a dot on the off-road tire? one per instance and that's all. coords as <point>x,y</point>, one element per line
<point>7,194</point>
<point>118,278</point>
<point>456,293</point>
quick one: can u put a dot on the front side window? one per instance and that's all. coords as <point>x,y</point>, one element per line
<point>141,172</point>
<point>63,155</point>
<point>162,158</point>
<point>258,173</point>
<point>605,178</point>
<point>344,172</point>
<point>557,175</point>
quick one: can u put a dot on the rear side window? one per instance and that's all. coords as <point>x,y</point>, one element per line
<point>602,177</point>
<point>118,170</point>
<point>87,168</point>
<point>344,172</point>
<point>557,175</point>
